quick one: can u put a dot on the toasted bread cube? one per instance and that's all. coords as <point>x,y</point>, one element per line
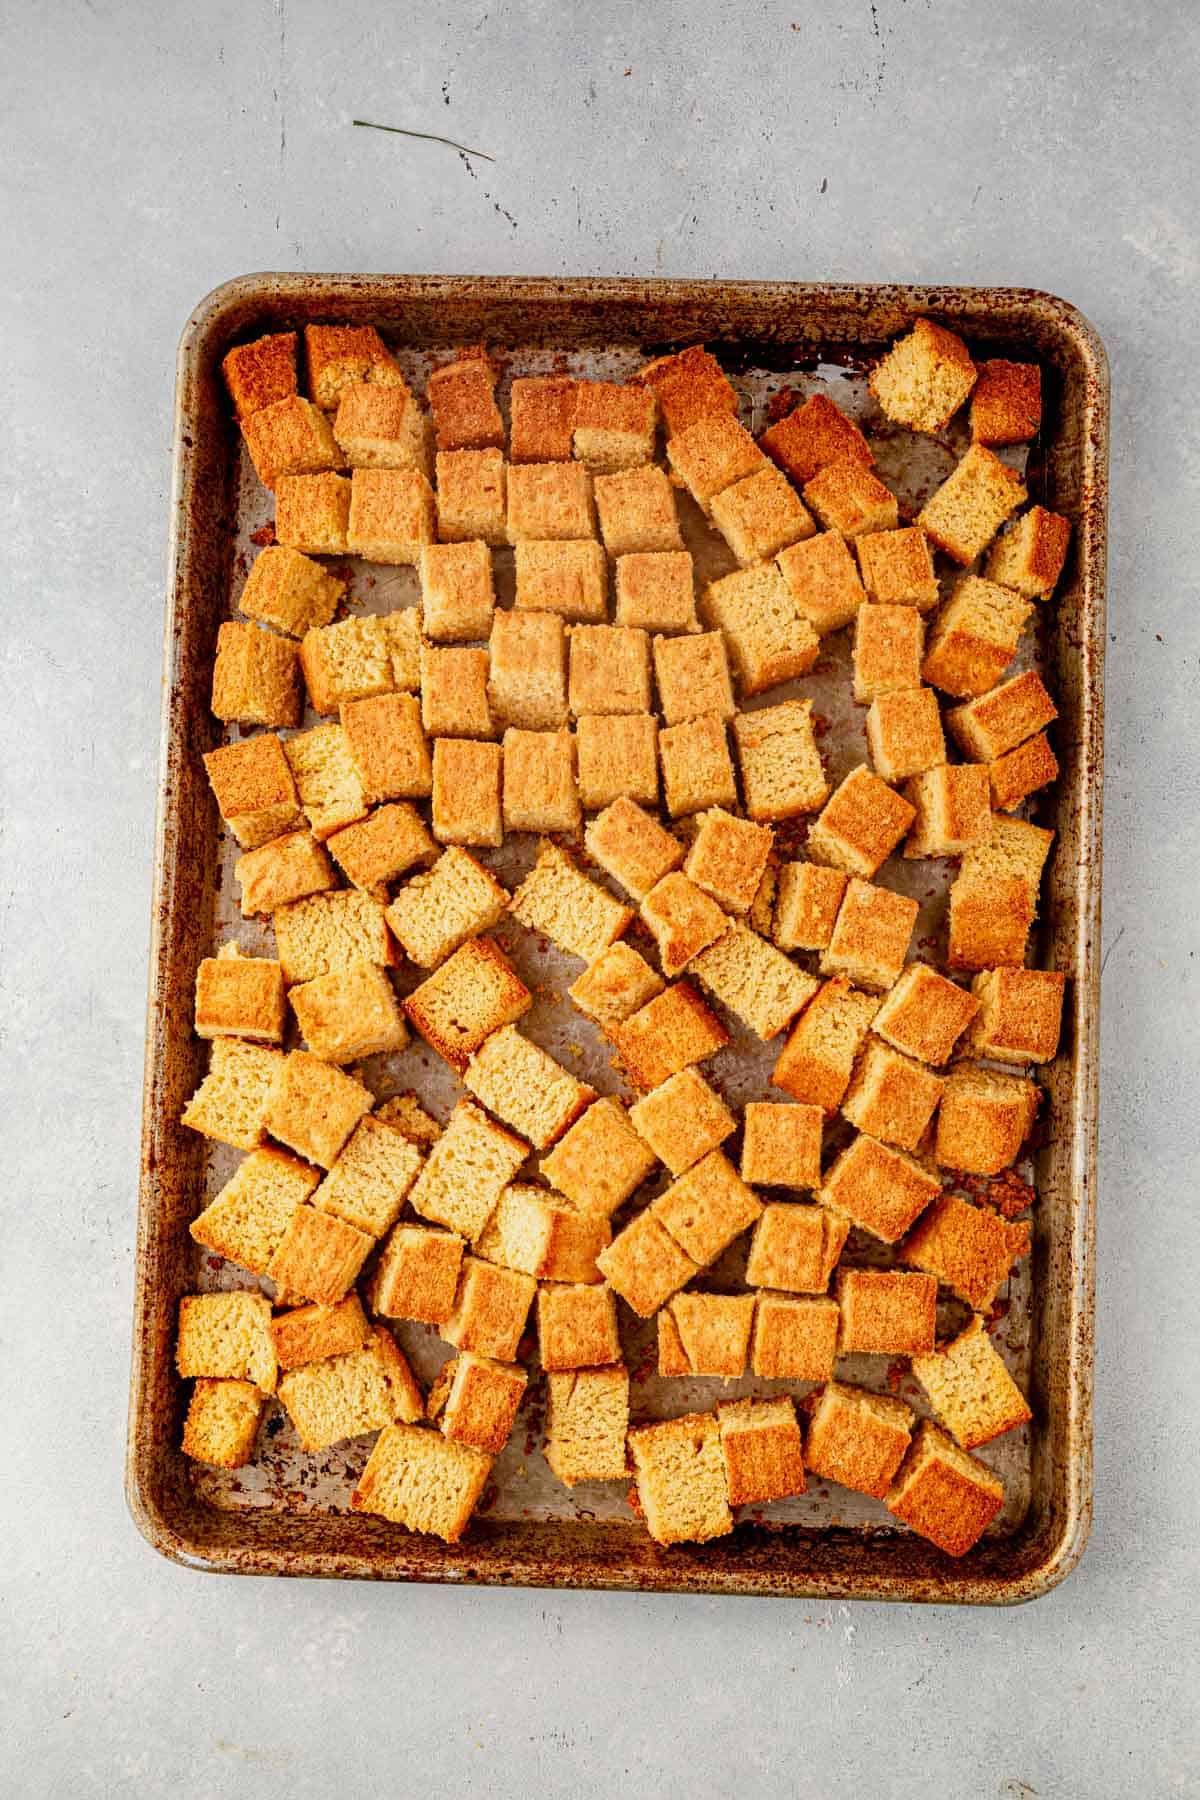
<point>990,921</point>
<point>587,1417</point>
<point>527,682</point>
<point>924,378</point>
<point>290,592</point>
<point>822,579</point>
<point>861,824</point>
<point>290,437</point>
<point>254,789</point>
<point>965,513</point>
<point>1006,406</point>
<point>475,1399</point>
<point>318,1258</point>
<point>669,1033</point>
<point>433,914</point>
<point>954,811</point>
<point>368,1184</point>
<point>1019,1017</point>
<point>226,1337</point>
<point>637,515</point>
<point>575,913</point>
<point>974,637</point>
<point>1029,556</point>
<point>782,773</point>
<point>391,515</point>
<point>462,399</point>
<point>682,1120</point>
<point>259,373</point>
<point>248,1219</point>
<point>600,1160</point>
<point>568,577</point>
<point>543,1234</point>
<point>458,594</point>
<point>388,747</point>
<point>645,1265</point>
<point>781,1146</point>
<point>632,847</point>
<point>904,733</point>
<point>454,692</point>
<point>806,905</point>
<point>343,356</point>
<point>761,1444</point>
<point>491,1309</point>
<point>309,1334</point>
<point>382,428</point>
<point>326,932</point>
<point>897,568</point>
<point>614,425</point>
<point>313,1108</point>
<point>886,1312</point>
<point>795,1248</point>
<point>680,1474</point>
<point>222,1422</point>
<point>943,1494</point>
<point>969,1248</point>
<point>472,994</point>
<point>656,590</point>
<point>815,1064</point>
<point>696,765</point>
<point>549,500</point>
<point>892,1097</point>
<point>969,1387</point>
<point>232,1102</point>
<point>472,496</point>
<point>984,1119</point>
<point>712,454</point>
<point>577,1326</point>
<point>706,1208</point>
<point>349,1014</point>
<point>326,779</point>
<point>683,921</point>
<point>754,980</point>
<point>523,1085</point>
<point>1014,848</point>
<point>312,514</point>
<point>689,385</point>
<point>769,640</point>
<point>858,1439</point>
<point>760,516</point>
<point>256,677</point>
<point>705,1334</point>
<point>812,435</point>
<point>692,673</point>
<point>466,793</point>
<point>618,758</point>
<point>240,996</point>
<point>539,781</point>
<point>795,1339</point>
<point>878,1188</point>
<point>847,497</point>
<point>386,844</point>
<point>727,859</point>
<point>925,1014</point>
<point>615,985</point>
<point>1012,778</point>
<point>406,1114</point>
<point>610,670</point>
<point>417,1274</point>
<point>417,1478</point>
<point>361,657</point>
<point>888,644</point>
<point>543,418</point>
<point>465,1173</point>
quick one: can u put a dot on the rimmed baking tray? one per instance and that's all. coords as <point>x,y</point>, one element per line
<point>775,325</point>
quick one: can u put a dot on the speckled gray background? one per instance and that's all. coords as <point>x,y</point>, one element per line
<point>151,151</point>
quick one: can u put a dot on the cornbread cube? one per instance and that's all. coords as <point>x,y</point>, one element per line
<point>944,1494</point>
<point>990,921</point>
<point>782,773</point>
<point>472,496</point>
<point>382,428</point>
<point>491,1309</point>
<point>812,435</point>
<point>261,372</point>
<point>523,1085</point>
<point>344,356</point>
<point>761,1444</point>
<point>248,1219</point>
<point>527,682</point>
<point>806,906</point>
<point>222,1423</point>
<point>573,912</point>
<point>1014,848</point>
<point>689,385</point>
<point>345,1396</point>
<point>386,844</point>
<point>615,985</point>
<point>325,932</point>
<point>969,1248</point>
<point>543,418</point>
<point>255,793</point>
<point>878,1188</point>
<point>462,399</point>
<point>256,677</point>
<point>897,568</point>
<point>349,1013</point>
<point>388,747</point>
<point>954,811</point>
<point>924,378</point>
<point>568,577</point>
<point>1006,406</point>
<point>682,1120</point>
<point>466,792</point>
<point>1029,556</point>
<point>683,921</point>
<point>290,437</point>
<point>1019,1017</point>
<point>417,1478</point>
<point>465,1173</point>
<point>1012,778</point>
<point>969,1387</point>
<point>696,767</point>
<point>614,425</point>
<point>310,1333</point>
<point>458,594</point>
<point>240,996</point>
<point>974,637</point>
<point>925,1014</point>
<point>290,592</point>
<point>965,513</point>
<point>361,657</point>
<point>822,579</point>
<point>406,1114</point>
<point>541,1233</point>
<point>645,1265</point>
<point>693,677</point>
<point>539,781</point>
<point>680,1474</point>
<point>705,1334</point>
<point>904,733</point>
<point>226,1337</point>
<point>769,640</point>
<point>318,1258</point>
<point>433,914</point>
<point>795,1248</point>
<point>795,1339</point>
<point>815,1064</point>
<point>454,692</point>
<point>655,590</point>
<point>712,454</point>
<point>892,1097</point>
<point>669,1033</point>
<point>549,500</point>
<point>370,1180</point>
<point>587,1417</point>
<point>760,516</point>
<point>632,847</point>
<point>600,1160</point>
<point>727,859</point>
<point>417,1274</point>
<point>845,496</point>
<point>886,1312</point>
<point>984,1119</point>
<point>326,779</point>
<point>706,1208</point>
<point>232,1102</point>
<point>617,755</point>
<point>781,1146</point>
<point>637,514</point>
<point>577,1326</point>
<point>391,515</point>
<point>862,822</point>
<point>754,980</point>
<point>313,1108</point>
<point>475,1399</point>
<point>888,643</point>
<point>858,1439</point>
<point>312,514</point>
<point>610,670</point>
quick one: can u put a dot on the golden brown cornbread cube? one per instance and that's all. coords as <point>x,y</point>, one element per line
<point>807,900</point>
<point>391,515</point>
<point>360,657</point>
<point>574,912</point>
<point>542,418</point>
<point>587,1417</point>
<point>417,1478</point>
<point>924,1014</point>
<point>475,1399</point>
<point>682,919</point>
<point>886,1312</point>
<point>989,921</point>
<point>669,1033</point>
<point>326,779</point>
<point>311,1333</point>
<point>727,859</point>
<point>782,773</point>
<point>345,1396</point>
<point>406,1114</point>
<point>527,682</point>
<point>313,1109</point>
<point>454,692</point>
<point>705,1334</point>
<point>615,985</point>
<point>897,568</point>
<point>645,1265</point>
<point>795,1248</point>
<point>417,1274</point>
<point>614,425</point>
<point>568,577</point>
<point>706,1208</point>
<point>637,514</point>
<point>256,677</point>
<point>324,932</point>
<point>261,372</point>
<point>523,1085</point>
<point>845,496</point>
<point>888,645</point>
<point>319,1258</point>
<point>795,1339</point>
<point>858,1439</point>
<point>760,516</point>
<point>383,846</point>
<point>1019,1017</point>
<point>697,769</point>
<point>458,593</point>
<point>290,592</point>
<point>232,1102</point>
<point>466,999</point>
<point>632,847</point>
<point>1013,777</point>
<point>466,1172</point>
<point>549,500</point>
<point>226,1337</point>
<point>944,1494</point>
<point>924,378</point>
<point>1015,847</point>
<point>689,385</point>
<point>388,747</point>
<point>969,1387</point>
<point>754,980</point>
<point>349,1013</point>
<point>312,514</point>
<point>1006,406</point>
<point>953,806</point>
<point>491,1309</point>
<point>617,754</point>
<point>541,1233</point>
<point>692,673</point>
<point>969,1248</point>
<point>965,513</point>
<point>577,1326</point>
<point>433,914</point>
<point>682,1120</point>
<point>862,822</point>
<point>462,399</point>
<point>247,1220</point>
<point>680,1474</point>
<point>254,789</point>
<point>240,996</point>
<point>472,496</point>
<point>368,1184</point>
<point>290,437</point>
<point>781,1146</point>
<point>904,733</point>
<point>610,670</point>
<point>878,1188</point>
<point>815,1064</point>
<point>712,454</point>
<point>768,639</point>
<point>871,935</point>
<point>974,637</point>
<point>813,434</point>
<point>1029,556</point>
<point>539,781</point>
<point>343,356</point>
<point>222,1423</point>
<point>761,1444</point>
<point>382,428</point>
<point>466,792</point>
<point>984,1119</point>
<point>822,580</point>
<point>656,590</point>
<point>600,1160</point>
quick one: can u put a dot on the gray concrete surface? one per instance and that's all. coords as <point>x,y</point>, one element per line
<point>150,151</point>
